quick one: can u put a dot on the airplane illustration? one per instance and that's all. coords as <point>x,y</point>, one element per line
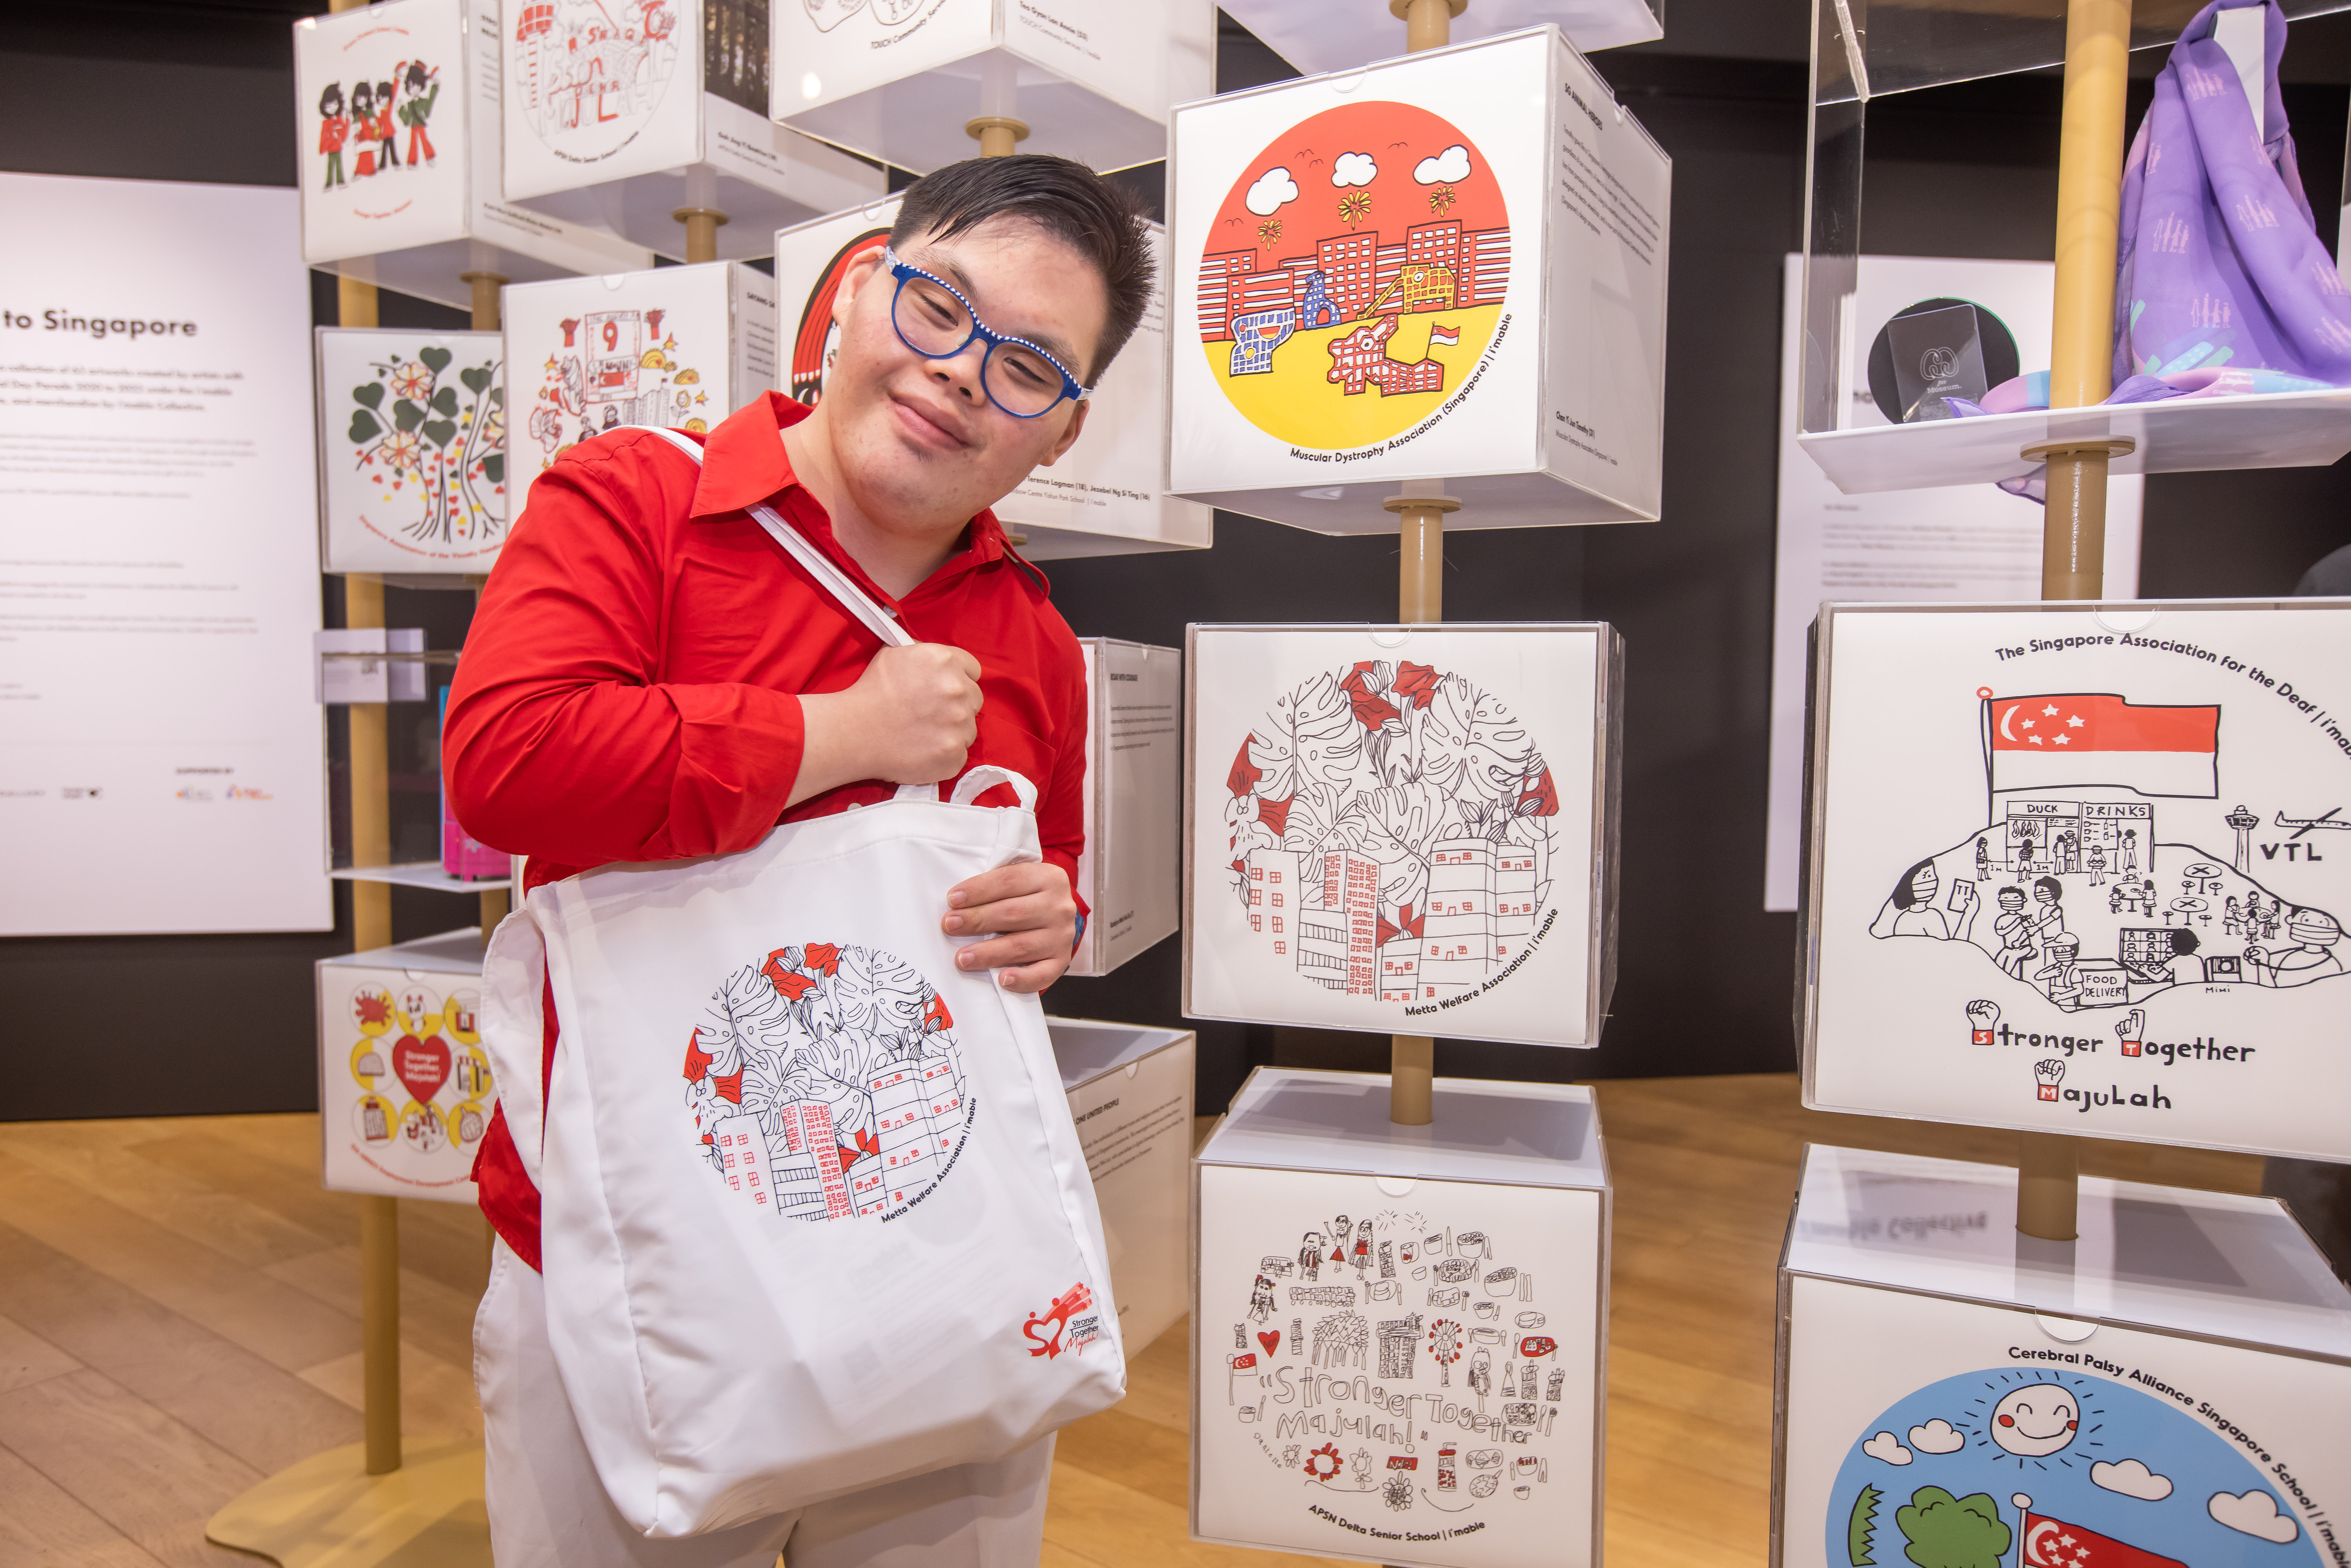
<point>2304,825</point>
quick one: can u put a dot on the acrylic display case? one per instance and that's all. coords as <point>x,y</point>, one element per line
<point>1107,496</point>
<point>1317,36</point>
<point>620,117</point>
<point>1404,828</point>
<point>1130,1095</point>
<point>412,451</point>
<point>2167,1389</point>
<point>1472,303</point>
<point>2072,868</point>
<point>397,120</point>
<point>1400,1344</point>
<point>1130,874</point>
<point>679,347</point>
<point>405,1090</point>
<point>421,845</point>
<point>1863,51</point>
<point>901,80</point>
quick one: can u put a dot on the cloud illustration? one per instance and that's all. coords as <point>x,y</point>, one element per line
<point>1446,168</point>
<point>2133,1479</point>
<point>1273,189</point>
<point>1884,1447</point>
<point>1353,169</point>
<point>2255,1513</point>
<point>1937,1437</point>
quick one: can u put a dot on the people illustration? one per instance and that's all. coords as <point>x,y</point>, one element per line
<point>2058,978</point>
<point>2129,863</point>
<point>2048,914</point>
<point>2313,958</point>
<point>334,131</point>
<point>362,129</point>
<point>2095,857</point>
<point>1983,860</point>
<point>2232,918</point>
<point>1910,908</point>
<point>386,133</point>
<point>416,109</point>
<point>2185,968</point>
<point>2014,930</point>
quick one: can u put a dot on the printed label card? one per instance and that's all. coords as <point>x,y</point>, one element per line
<point>618,116</point>
<point>900,80</point>
<point>1922,1429</point>
<point>381,93</point>
<point>1130,874</point>
<point>1406,1379</point>
<point>679,347</point>
<point>1107,496</point>
<point>1446,268</point>
<point>1405,828</point>
<point>405,1090</point>
<point>412,450</point>
<point>2075,869</point>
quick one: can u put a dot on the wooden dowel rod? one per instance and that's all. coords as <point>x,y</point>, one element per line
<point>380,1329</point>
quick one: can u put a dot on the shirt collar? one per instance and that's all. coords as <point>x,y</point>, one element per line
<point>744,463</point>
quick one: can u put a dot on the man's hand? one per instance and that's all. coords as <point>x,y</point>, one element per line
<point>1029,916</point>
<point>911,718</point>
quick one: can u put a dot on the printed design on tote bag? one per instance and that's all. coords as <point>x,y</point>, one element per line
<point>359,125</point>
<point>2074,888</point>
<point>1354,273</point>
<point>1392,1355</point>
<point>614,368</point>
<point>824,1082</point>
<point>423,1086</point>
<point>818,341</point>
<point>2047,1469</point>
<point>433,444</point>
<point>588,73</point>
<point>1391,833</point>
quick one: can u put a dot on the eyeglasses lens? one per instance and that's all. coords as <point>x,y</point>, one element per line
<point>935,321</point>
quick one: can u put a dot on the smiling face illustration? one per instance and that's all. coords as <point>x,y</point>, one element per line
<point>2034,1422</point>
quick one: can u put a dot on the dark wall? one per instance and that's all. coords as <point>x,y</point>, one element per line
<point>202,91</point>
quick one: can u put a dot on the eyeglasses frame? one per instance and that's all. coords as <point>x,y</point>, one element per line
<point>901,270</point>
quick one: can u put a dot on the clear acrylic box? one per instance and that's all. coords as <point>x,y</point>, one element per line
<point>1130,1089</point>
<point>1319,36</point>
<point>405,1091</point>
<point>2168,1389</point>
<point>392,670</point>
<point>1131,874</point>
<point>1870,48</point>
<point>1426,1388</point>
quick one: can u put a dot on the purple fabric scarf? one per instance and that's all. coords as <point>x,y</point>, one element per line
<point>2219,262</point>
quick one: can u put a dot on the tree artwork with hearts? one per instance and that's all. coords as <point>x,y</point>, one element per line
<point>433,445</point>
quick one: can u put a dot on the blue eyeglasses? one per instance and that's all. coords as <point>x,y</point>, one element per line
<point>934,319</point>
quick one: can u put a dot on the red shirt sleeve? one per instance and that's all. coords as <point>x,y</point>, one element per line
<point>563,742</point>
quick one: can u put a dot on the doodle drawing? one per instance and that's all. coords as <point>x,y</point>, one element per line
<point>614,368</point>
<point>428,435</point>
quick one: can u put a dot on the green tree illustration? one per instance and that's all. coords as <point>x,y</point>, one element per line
<point>448,445</point>
<point>1946,1531</point>
<point>1861,1530</point>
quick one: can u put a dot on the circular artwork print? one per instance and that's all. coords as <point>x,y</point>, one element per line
<point>1354,274</point>
<point>2046,1468</point>
<point>1391,832</point>
<point>1393,1356</point>
<point>410,1084</point>
<point>589,73</point>
<point>819,338</point>
<point>824,1082</point>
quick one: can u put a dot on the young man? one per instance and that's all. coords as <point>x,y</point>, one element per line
<point>650,677</point>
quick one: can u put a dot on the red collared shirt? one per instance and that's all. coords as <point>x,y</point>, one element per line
<point>629,688</point>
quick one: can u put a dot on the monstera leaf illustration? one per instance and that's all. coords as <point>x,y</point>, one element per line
<point>1469,745</point>
<point>1309,737</point>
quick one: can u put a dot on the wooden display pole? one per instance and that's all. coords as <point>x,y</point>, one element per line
<point>2080,373</point>
<point>998,134</point>
<point>702,224</point>
<point>487,318</point>
<point>1420,602</point>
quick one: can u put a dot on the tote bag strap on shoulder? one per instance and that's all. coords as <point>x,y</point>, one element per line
<point>855,600</point>
<point>829,577</point>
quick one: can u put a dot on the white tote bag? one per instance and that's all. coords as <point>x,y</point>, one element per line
<point>813,1214</point>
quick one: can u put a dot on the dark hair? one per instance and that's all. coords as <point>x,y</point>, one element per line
<point>1100,221</point>
<point>2183,940</point>
<point>2056,889</point>
<point>416,76</point>
<point>360,90</point>
<point>334,95</point>
<point>2011,887</point>
<point>1904,898</point>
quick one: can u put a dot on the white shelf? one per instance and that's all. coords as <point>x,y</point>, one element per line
<point>1320,36</point>
<point>420,873</point>
<point>2275,430</point>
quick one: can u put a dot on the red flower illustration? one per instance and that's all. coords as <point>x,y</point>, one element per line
<point>697,1061</point>
<point>936,1016</point>
<point>730,1086</point>
<point>823,958</point>
<point>1415,683</point>
<point>1275,814</point>
<point>1323,1463</point>
<point>1243,778</point>
<point>1541,798</point>
<point>1371,709</point>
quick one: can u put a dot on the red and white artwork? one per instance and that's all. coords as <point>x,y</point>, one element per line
<point>823,1082</point>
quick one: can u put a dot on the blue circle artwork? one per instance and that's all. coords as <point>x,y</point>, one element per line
<point>2025,1468</point>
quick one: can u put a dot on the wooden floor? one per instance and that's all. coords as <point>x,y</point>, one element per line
<point>179,1317</point>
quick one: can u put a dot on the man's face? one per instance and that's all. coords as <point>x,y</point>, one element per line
<point>919,445</point>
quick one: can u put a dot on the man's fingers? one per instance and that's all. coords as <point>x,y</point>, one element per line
<point>1031,979</point>
<point>1012,950</point>
<point>1023,914</point>
<point>1004,881</point>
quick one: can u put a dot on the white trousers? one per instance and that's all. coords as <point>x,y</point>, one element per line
<point>547,1510</point>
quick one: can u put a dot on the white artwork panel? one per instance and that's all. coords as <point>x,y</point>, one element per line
<point>1401,829</point>
<point>1134,1126</point>
<point>405,1090</point>
<point>1448,269</point>
<point>381,95</point>
<point>1923,1429</point>
<point>1403,1378</point>
<point>412,450</point>
<point>2073,870</point>
<point>680,347</point>
<point>595,91</point>
<point>1129,873</point>
<point>1107,495</point>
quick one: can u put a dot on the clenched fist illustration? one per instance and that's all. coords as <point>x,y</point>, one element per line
<point>2049,1074</point>
<point>1982,1017</point>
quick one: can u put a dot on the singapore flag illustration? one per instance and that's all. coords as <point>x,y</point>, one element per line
<point>2062,740</point>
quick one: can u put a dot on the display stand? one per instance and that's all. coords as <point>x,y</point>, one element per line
<point>652,127</point>
<point>1130,1092</point>
<point>1399,1334</point>
<point>917,83</point>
